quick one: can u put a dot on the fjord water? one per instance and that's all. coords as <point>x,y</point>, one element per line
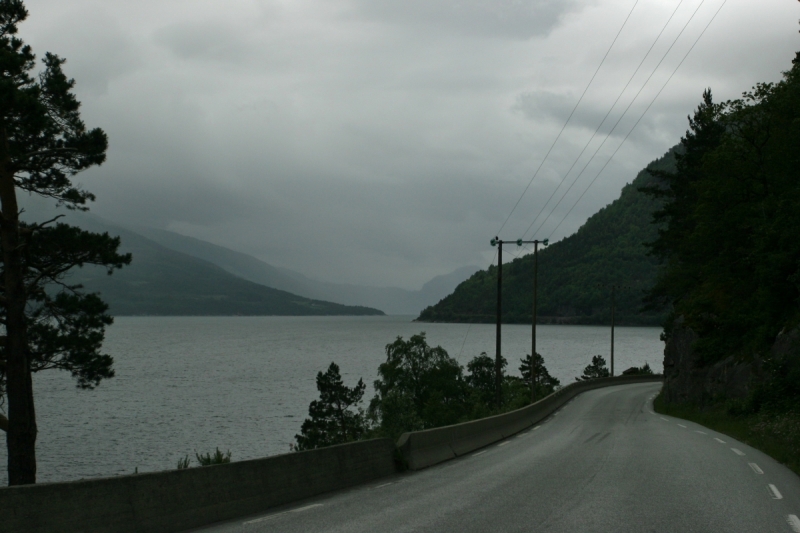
<point>186,384</point>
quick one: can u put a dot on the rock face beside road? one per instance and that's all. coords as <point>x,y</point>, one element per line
<point>687,380</point>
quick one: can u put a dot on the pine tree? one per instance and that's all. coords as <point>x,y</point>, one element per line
<point>48,322</point>
<point>333,419</point>
<point>545,383</point>
<point>597,369</point>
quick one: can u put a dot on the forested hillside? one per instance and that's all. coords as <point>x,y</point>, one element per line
<point>575,272</point>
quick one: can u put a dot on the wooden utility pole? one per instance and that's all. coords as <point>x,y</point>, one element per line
<point>498,367</point>
<point>613,318</point>
<point>535,243</point>
<point>613,305</point>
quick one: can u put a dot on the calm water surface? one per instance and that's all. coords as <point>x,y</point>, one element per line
<point>244,383</point>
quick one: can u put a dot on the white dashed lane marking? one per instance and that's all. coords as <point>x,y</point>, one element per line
<point>298,510</point>
<point>381,486</point>
<point>477,454</point>
<point>774,492</point>
<point>503,443</point>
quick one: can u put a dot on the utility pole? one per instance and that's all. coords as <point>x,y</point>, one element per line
<point>613,309</point>
<point>613,306</point>
<point>535,243</point>
<point>498,367</point>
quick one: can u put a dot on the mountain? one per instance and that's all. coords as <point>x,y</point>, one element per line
<point>575,273</point>
<point>392,300</point>
<point>160,281</point>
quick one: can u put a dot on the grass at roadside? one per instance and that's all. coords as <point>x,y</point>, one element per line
<point>776,434</point>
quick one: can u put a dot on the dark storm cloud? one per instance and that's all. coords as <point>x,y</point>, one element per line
<point>378,142</point>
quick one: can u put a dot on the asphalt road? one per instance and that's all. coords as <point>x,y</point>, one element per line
<point>605,462</point>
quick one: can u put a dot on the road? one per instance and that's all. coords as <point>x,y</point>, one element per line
<point>605,462</point>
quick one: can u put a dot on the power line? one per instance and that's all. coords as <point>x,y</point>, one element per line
<point>569,117</point>
<point>641,117</point>
<point>605,117</point>
<point>624,113</point>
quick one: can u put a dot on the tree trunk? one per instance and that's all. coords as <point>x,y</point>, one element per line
<point>21,434</point>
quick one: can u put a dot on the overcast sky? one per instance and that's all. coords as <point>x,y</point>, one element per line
<point>383,142</point>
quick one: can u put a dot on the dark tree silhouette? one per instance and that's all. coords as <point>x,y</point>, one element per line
<point>48,323</point>
<point>545,383</point>
<point>481,377</point>
<point>334,418</point>
<point>597,369</point>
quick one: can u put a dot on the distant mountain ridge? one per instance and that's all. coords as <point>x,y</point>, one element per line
<point>166,282</point>
<point>392,300</point>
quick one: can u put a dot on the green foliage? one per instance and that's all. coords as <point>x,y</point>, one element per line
<point>545,383</point>
<point>183,463</point>
<point>422,387</point>
<point>482,377</point>
<point>730,222</point>
<point>217,458</point>
<point>334,418</point>
<point>608,249</point>
<point>597,369</point>
<point>419,387</point>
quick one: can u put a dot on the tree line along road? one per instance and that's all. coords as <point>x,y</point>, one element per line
<point>605,462</point>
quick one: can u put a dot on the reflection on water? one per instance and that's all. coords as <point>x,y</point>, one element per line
<point>244,383</point>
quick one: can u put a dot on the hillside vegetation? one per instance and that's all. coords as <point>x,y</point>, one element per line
<point>575,272</point>
<point>731,276</point>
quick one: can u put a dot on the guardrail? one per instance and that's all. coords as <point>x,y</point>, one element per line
<point>178,500</point>
<point>421,449</point>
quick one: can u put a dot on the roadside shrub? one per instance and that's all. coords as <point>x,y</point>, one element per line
<point>217,458</point>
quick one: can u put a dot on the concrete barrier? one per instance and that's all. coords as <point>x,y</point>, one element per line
<point>421,449</point>
<point>182,499</point>
<point>178,500</point>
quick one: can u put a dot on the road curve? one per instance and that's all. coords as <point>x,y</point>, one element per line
<point>605,462</point>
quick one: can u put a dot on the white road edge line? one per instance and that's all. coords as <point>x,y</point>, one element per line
<point>381,486</point>
<point>719,440</point>
<point>794,522</point>
<point>776,494</point>
<point>477,454</point>
<point>306,508</point>
<point>682,426</point>
<point>737,451</point>
<point>756,468</point>
<point>298,510</point>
